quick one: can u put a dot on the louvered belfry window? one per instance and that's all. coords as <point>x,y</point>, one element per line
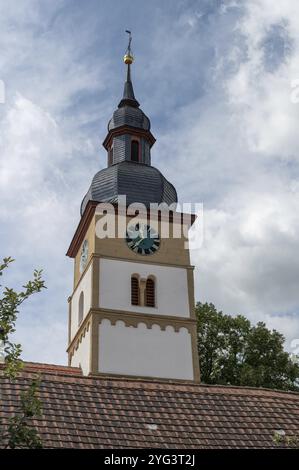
<point>134,290</point>
<point>150,293</point>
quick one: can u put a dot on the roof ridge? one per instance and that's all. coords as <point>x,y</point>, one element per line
<point>67,372</point>
<point>48,368</point>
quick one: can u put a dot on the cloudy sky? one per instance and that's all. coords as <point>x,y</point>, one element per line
<point>218,78</point>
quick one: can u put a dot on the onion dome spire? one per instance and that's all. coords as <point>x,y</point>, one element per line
<point>128,144</point>
<point>128,98</point>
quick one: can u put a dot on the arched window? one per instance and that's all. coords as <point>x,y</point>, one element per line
<point>149,294</point>
<point>135,290</point>
<point>135,151</point>
<point>110,156</point>
<point>81,308</point>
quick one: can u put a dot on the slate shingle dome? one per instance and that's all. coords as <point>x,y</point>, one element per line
<point>128,112</point>
<point>127,115</point>
<point>139,182</point>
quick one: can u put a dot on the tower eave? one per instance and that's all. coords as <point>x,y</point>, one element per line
<point>128,130</point>
<point>128,102</point>
<point>89,213</point>
<point>81,229</point>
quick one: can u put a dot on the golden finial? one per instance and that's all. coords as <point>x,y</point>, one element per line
<point>128,57</point>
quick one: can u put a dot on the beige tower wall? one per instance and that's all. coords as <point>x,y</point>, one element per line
<point>84,286</point>
<point>171,287</point>
<point>166,347</point>
<point>142,351</point>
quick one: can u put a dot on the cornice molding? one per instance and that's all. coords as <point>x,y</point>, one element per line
<point>130,319</point>
<point>125,129</point>
<point>81,229</point>
<point>165,264</point>
<point>134,318</point>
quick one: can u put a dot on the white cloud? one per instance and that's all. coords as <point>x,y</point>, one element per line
<point>261,96</point>
<point>45,165</point>
<point>249,252</point>
<point>237,147</point>
<point>43,341</point>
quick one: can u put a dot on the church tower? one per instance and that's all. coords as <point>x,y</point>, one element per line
<point>131,312</point>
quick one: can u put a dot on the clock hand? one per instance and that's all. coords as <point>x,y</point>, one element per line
<point>144,231</point>
<point>139,241</point>
<point>141,232</point>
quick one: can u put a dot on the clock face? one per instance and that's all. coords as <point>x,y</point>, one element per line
<point>143,239</point>
<point>84,256</point>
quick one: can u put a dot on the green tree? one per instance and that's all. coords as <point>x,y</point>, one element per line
<point>19,431</point>
<point>232,351</point>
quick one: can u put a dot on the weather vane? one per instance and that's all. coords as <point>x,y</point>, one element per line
<point>128,57</point>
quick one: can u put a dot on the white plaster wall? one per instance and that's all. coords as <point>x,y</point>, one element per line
<point>82,354</point>
<point>85,286</point>
<point>171,287</point>
<point>143,351</point>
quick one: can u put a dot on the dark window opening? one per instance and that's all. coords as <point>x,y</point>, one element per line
<point>110,156</point>
<point>135,151</point>
<point>134,290</point>
<point>150,293</point>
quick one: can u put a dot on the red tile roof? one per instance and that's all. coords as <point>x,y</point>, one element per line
<point>103,412</point>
